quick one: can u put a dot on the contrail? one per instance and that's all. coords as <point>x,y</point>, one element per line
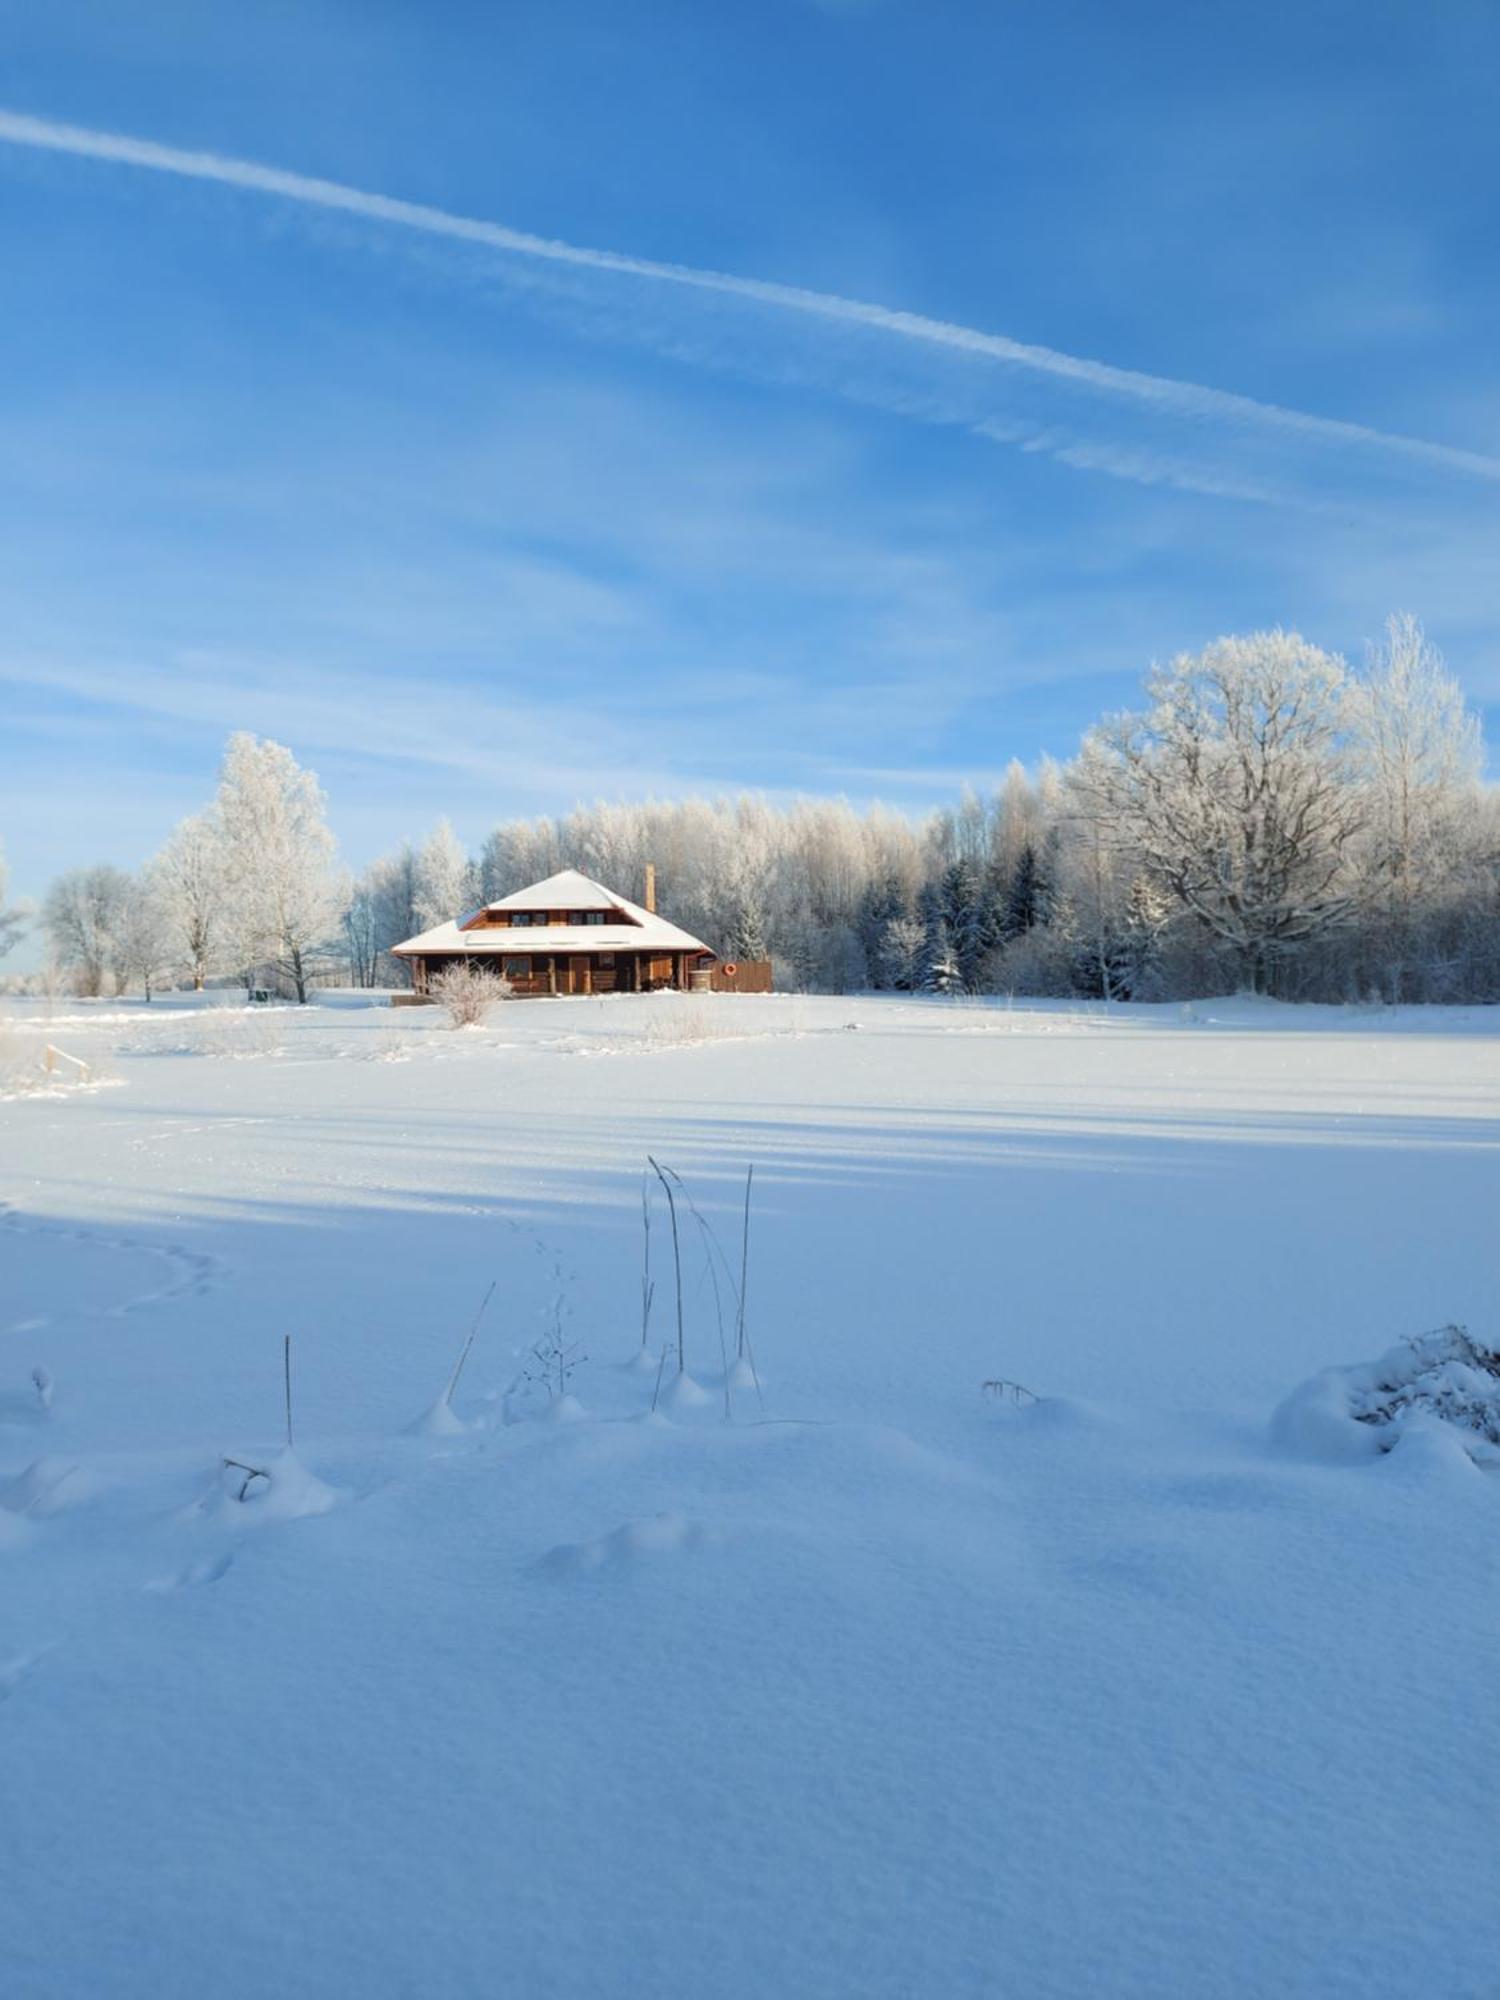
<point>1159,393</point>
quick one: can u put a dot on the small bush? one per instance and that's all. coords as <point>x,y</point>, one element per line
<point>1445,1374</point>
<point>468,992</point>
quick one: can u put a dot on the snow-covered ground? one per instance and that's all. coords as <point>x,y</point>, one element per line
<point>887,1686</point>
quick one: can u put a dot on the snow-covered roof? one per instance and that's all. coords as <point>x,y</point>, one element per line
<point>565,891</point>
<point>568,891</point>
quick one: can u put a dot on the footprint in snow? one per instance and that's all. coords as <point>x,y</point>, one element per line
<point>631,1542</point>
<point>208,1571</point>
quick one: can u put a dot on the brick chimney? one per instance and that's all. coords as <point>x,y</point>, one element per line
<point>650,899</point>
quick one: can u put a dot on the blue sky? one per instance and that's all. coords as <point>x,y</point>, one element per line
<point>479,532</point>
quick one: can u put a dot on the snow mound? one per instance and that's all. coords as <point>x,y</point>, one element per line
<point>47,1486</point>
<point>441,1420</point>
<point>565,1410</point>
<point>1444,1378</point>
<point>663,1534</point>
<point>683,1393</point>
<point>274,1489</point>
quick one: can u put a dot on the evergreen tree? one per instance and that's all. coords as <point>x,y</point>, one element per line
<point>747,936</point>
<point>940,967</point>
<point>1023,903</point>
<point>961,892</point>
<point>901,954</point>
<point>882,905</point>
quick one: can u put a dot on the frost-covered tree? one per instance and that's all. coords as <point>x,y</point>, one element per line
<point>382,912</point>
<point>940,967</point>
<point>447,883</point>
<point>361,933</point>
<point>1420,754</point>
<point>14,917</point>
<point>965,910</point>
<point>1147,917</point>
<point>82,917</point>
<point>883,904</point>
<point>901,953</point>
<point>747,936</point>
<point>190,891</point>
<point>1018,821</point>
<point>521,852</point>
<point>1236,789</point>
<point>146,943</point>
<point>284,894</point>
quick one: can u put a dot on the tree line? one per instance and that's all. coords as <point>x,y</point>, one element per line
<point>1267,820</point>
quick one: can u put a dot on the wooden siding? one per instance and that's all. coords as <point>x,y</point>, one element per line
<point>570,972</point>
<point>740,975</point>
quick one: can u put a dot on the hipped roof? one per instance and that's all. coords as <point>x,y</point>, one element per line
<point>565,891</point>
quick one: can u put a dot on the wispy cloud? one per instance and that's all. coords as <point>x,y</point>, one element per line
<point>1174,432</point>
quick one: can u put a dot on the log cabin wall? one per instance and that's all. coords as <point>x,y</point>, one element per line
<point>534,973</point>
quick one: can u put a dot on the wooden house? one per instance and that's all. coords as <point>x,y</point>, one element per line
<point>564,935</point>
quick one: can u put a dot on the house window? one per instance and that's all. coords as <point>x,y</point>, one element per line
<point>606,961</point>
<point>520,919</point>
<point>517,968</point>
<point>592,917</point>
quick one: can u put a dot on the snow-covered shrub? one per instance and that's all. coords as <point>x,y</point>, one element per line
<point>468,992</point>
<point>1444,1377</point>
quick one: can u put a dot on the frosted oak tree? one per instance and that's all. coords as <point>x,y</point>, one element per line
<point>83,916</point>
<point>283,890</point>
<point>189,879</point>
<point>1235,790</point>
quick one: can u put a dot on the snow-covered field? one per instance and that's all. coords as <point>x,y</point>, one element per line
<point>888,1686</point>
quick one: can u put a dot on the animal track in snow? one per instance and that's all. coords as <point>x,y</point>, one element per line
<point>193,1271</point>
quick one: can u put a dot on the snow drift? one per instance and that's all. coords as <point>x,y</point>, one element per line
<point>1444,1378</point>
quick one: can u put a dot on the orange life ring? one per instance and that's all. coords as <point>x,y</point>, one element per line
<point>730,969</point>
